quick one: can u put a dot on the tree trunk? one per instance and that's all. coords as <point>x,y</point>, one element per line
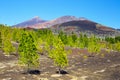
<point>59,71</point>
<point>28,68</point>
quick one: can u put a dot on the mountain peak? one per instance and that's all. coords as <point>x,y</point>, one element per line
<point>65,19</point>
<point>36,18</point>
<point>31,22</point>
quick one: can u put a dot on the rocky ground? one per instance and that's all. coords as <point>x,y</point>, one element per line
<point>81,67</point>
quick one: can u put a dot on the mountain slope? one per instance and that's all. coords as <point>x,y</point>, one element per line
<point>60,20</point>
<point>30,22</point>
<point>81,25</point>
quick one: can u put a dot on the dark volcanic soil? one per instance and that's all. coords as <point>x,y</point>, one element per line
<point>81,67</point>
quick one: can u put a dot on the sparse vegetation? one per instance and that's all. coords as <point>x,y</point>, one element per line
<point>32,42</point>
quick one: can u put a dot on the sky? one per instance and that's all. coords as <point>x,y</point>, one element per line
<point>106,12</point>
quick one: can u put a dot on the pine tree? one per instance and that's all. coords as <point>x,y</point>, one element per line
<point>59,54</point>
<point>63,37</point>
<point>117,46</point>
<point>40,45</point>
<point>74,37</point>
<point>7,45</point>
<point>27,51</point>
<point>94,45</point>
<point>16,34</point>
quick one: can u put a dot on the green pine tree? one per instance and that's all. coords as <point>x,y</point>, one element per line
<point>8,47</point>
<point>94,46</point>
<point>27,51</point>
<point>59,54</point>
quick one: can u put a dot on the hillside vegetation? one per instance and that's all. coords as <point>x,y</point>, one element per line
<point>57,47</point>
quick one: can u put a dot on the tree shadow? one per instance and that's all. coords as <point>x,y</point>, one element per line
<point>35,72</point>
<point>63,72</point>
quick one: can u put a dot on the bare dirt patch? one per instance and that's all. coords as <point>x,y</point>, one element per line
<point>80,67</point>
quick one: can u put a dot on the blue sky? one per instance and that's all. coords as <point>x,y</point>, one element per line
<point>106,12</point>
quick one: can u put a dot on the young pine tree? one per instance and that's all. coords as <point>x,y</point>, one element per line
<point>117,46</point>
<point>40,45</point>
<point>63,37</point>
<point>59,54</point>
<point>83,41</point>
<point>27,51</point>
<point>16,33</point>
<point>94,45</point>
<point>7,45</point>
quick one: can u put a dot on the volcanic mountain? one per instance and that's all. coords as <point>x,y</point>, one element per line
<point>60,20</point>
<point>69,24</point>
<point>85,26</point>
<point>31,22</point>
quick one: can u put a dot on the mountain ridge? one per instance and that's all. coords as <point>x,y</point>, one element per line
<point>31,22</point>
<point>69,23</point>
